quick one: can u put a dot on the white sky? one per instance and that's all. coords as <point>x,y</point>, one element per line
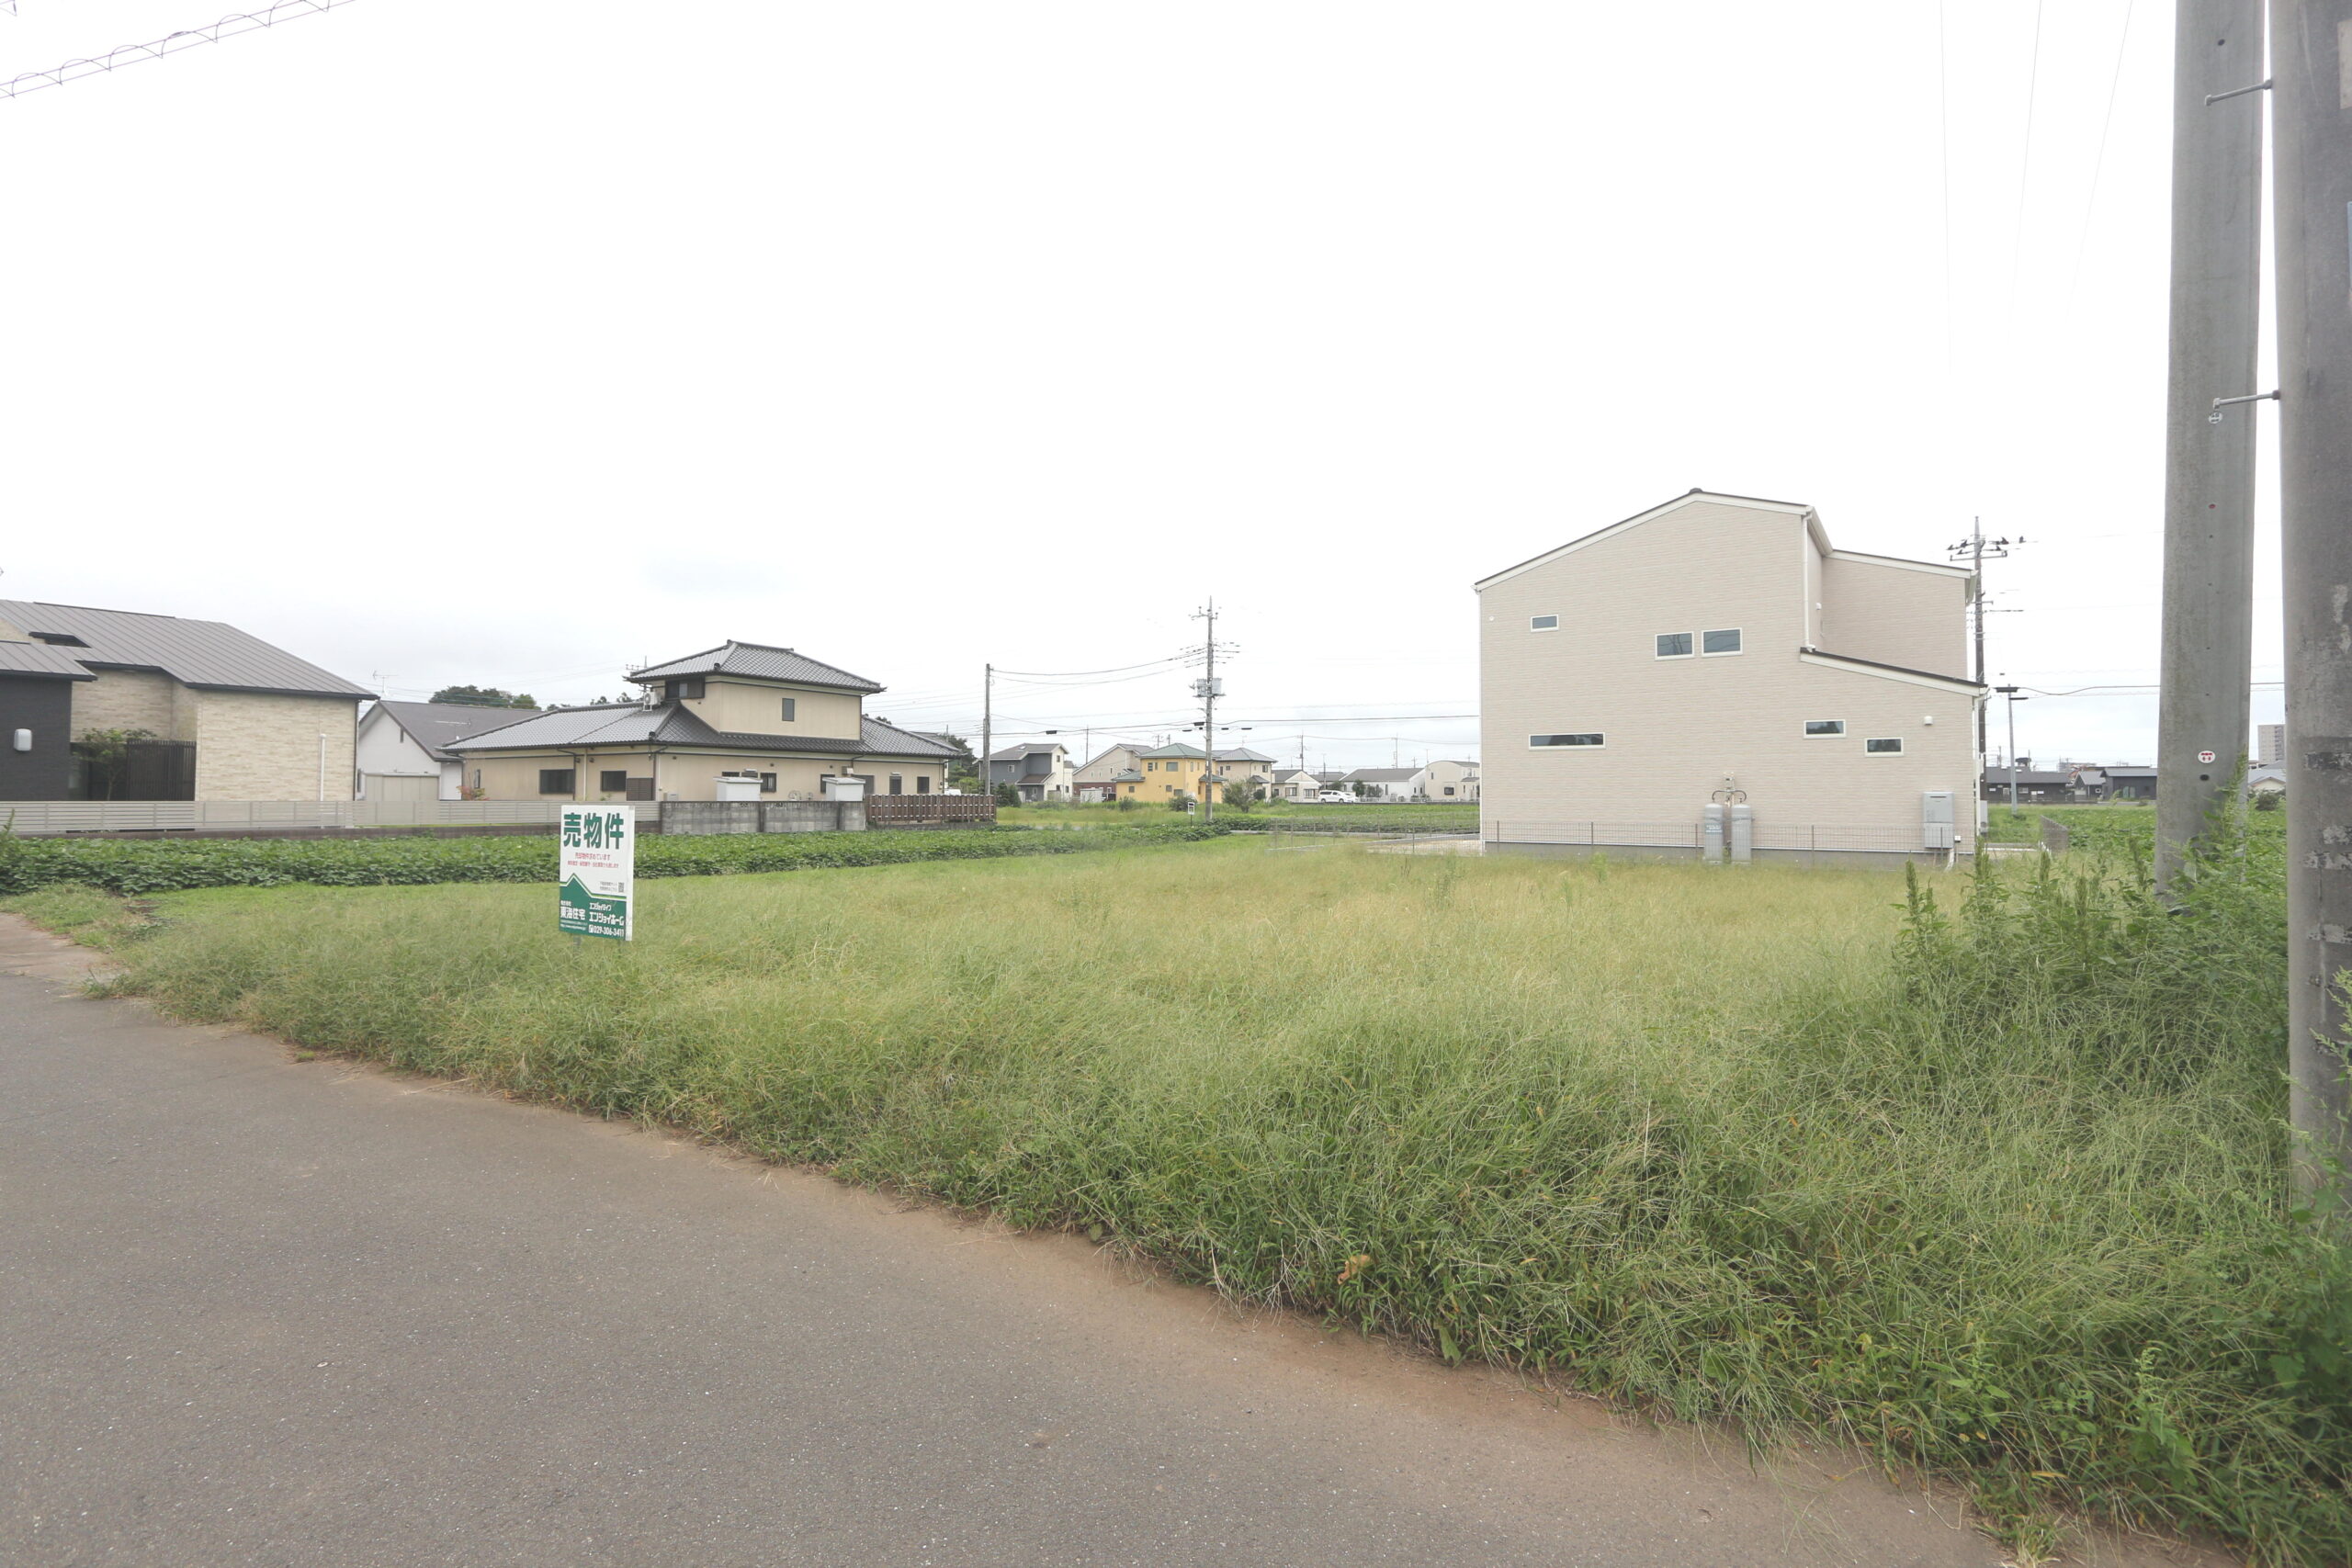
<point>516,344</point>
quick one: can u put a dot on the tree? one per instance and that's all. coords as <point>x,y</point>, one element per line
<point>485,697</point>
<point>104,751</point>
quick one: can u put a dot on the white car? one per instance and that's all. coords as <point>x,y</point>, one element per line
<point>1335,797</point>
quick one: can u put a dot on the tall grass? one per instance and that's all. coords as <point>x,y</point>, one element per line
<point>1758,1144</point>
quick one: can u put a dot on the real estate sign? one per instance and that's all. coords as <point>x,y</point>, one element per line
<point>598,871</point>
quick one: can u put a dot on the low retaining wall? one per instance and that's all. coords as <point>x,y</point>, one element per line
<point>763,816</point>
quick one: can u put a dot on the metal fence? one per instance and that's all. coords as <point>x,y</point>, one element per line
<point>51,816</point>
<point>1826,837</point>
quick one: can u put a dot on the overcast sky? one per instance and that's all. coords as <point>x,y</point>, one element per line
<point>517,344</point>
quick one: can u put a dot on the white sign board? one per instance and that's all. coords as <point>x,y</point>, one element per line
<point>596,891</point>
<point>2204,756</point>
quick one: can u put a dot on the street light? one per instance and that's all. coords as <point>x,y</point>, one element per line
<point>2011,693</point>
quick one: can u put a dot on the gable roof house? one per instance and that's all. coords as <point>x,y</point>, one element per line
<point>1718,650</point>
<point>194,710</point>
<point>404,747</point>
<point>743,709</point>
<point>1038,772</point>
<point>1447,780</point>
<point>1381,784</point>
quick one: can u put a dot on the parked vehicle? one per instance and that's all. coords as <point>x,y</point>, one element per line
<point>1334,797</point>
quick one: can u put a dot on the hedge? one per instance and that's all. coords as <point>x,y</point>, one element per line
<point>137,866</point>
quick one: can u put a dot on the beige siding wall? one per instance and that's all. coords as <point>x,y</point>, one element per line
<point>689,775</point>
<point>742,708</point>
<point>127,699</point>
<point>1677,728</point>
<point>254,746</point>
<point>1894,614</point>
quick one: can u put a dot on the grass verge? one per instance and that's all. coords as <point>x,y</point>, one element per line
<point>1996,1191</point>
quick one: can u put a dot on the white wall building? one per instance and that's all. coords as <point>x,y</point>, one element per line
<point>402,753</point>
<point>1719,651</point>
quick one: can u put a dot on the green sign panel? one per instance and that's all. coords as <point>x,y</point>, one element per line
<point>598,889</point>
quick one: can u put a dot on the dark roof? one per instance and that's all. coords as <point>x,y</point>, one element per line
<point>1897,668</point>
<point>1178,749</point>
<point>211,655</point>
<point>1998,774</point>
<point>1383,775</point>
<point>761,662</point>
<point>1015,753</point>
<point>433,725</point>
<point>1243,754</point>
<point>40,658</point>
<point>1126,775</point>
<point>630,724</point>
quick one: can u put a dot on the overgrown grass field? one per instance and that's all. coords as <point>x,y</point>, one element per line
<point>2002,1195</point>
<point>1374,818</point>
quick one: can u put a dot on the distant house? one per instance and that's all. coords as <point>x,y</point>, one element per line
<point>404,747</point>
<point>1253,771</point>
<point>1166,773</point>
<point>746,710</point>
<point>2039,786</point>
<point>113,705</point>
<point>2104,783</point>
<point>1296,784</point>
<point>1447,781</point>
<point>2265,781</point>
<point>1381,784</point>
<point>1042,775</point>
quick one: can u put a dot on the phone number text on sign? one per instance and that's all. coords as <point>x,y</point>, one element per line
<point>597,876</point>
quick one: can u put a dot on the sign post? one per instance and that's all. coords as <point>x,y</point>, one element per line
<point>598,872</point>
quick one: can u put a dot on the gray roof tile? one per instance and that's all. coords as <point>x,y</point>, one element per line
<point>433,725</point>
<point>40,658</point>
<point>760,661</point>
<point>195,653</point>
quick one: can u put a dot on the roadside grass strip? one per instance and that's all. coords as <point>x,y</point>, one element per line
<point>1987,1174</point>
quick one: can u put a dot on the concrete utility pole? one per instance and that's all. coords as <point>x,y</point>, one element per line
<point>1976,550</point>
<point>2202,716</point>
<point>2313,202</point>
<point>1206,687</point>
<point>987,716</point>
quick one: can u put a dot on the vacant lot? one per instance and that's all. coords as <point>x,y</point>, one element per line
<point>1728,1142</point>
<point>1403,816</point>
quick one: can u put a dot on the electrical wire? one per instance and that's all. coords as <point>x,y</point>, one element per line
<point>2098,164</point>
<point>2025,157</point>
<point>131,53</point>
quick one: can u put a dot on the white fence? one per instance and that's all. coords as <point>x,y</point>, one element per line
<point>42,816</point>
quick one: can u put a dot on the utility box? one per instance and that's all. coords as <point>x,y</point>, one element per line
<point>1711,839</point>
<point>737,786</point>
<point>841,786</point>
<point>1936,818</point>
<point>1741,831</point>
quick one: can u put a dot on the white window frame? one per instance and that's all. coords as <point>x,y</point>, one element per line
<point>1812,734</point>
<point>1659,636</point>
<point>1537,744</point>
<point>1536,623</point>
<point>1873,745</point>
<point>1739,632</point>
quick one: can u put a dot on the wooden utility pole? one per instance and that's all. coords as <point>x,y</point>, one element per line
<point>2202,717</point>
<point>2312,41</point>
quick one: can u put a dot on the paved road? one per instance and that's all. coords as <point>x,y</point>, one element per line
<point>257,1312</point>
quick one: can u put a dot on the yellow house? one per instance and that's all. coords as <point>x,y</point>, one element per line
<point>745,709</point>
<point>1161,775</point>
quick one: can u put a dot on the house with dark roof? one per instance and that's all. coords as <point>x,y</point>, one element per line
<point>404,747</point>
<point>1381,784</point>
<point>741,718</point>
<point>114,705</point>
<point>1040,773</point>
<point>1715,660</point>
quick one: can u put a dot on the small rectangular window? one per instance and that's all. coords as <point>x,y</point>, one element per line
<point>1543,623</point>
<point>1674,644</point>
<point>612,781</point>
<point>1824,726</point>
<point>554,781</point>
<point>684,688</point>
<point>897,785</point>
<point>922,784</point>
<point>791,709</point>
<point>1587,739</point>
<point>1719,642</point>
<point>768,783</point>
<point>1884,746</point>
<point>1448,789</point>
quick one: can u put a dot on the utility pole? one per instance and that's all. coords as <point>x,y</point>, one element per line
<point>1206,690</point>
<point>2310,199</point>
<point>2207,666</point>
<point>988,718</point>
<point>1976,550</point>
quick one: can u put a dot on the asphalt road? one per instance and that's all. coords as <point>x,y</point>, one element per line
<point>259,1312</point>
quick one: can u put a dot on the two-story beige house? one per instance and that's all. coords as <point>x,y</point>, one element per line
<point>765,720</point>
<point>1719,651</point>
<point>114,705</point>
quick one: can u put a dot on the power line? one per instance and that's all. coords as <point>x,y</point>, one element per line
<point>131,53</point>
<point>2098,164</point>
<point>2024,160</point>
